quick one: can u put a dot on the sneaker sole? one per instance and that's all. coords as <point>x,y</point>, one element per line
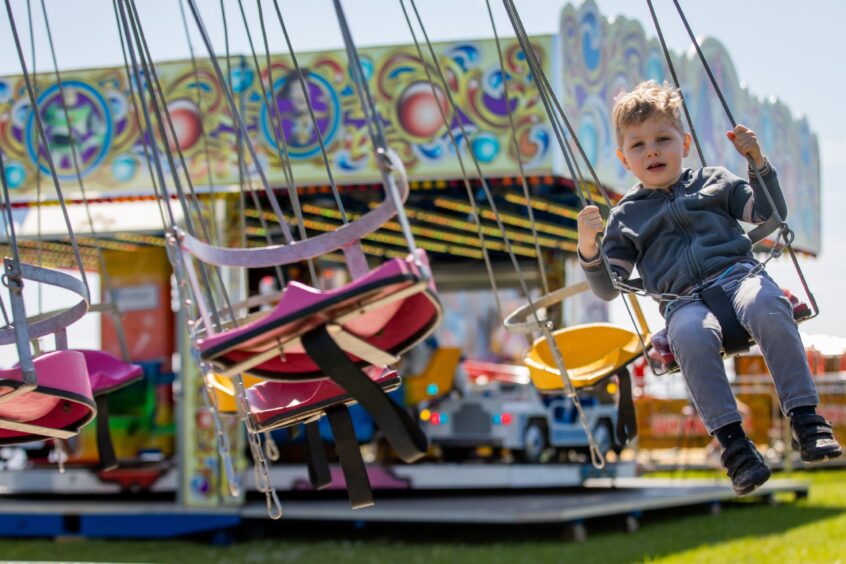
<point>749,489</point>
<point>823,457</point>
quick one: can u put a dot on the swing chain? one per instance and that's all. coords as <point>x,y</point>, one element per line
<point>223,448</point>
<point>596,456</point>
<point>621,286</point>
<point>271,449</point>
<point>261,469</point>
<point>12,279</point>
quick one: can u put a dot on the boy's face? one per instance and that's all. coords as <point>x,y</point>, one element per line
<point>653,151</point>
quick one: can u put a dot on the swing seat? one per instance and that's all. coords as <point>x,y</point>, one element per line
<point>58,408</point>
<point>108,373</point>
<point>224,391</point>
<point>275,405</point>
<point>592,352</point>
<point>281,404</point>
<point>664,354</point>
<point>380,315</point>
<point>437,378</point>
<point>326,337</point>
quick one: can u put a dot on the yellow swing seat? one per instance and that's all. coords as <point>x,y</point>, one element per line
<point>592,352</point>
<point>436,380</point>
<point>224,391</point>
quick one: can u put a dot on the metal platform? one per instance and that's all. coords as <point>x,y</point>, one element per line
<point>691,463</point>
<point>599,498</point>
<point>624,497</point>
<point>462,477</point>
<point>76,481</point>
<point>286,477</point>
<point>110,519</point>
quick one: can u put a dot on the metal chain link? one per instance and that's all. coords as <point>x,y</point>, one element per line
<point>274,507</point>
<point>271,449</point>
<point>223,445</point>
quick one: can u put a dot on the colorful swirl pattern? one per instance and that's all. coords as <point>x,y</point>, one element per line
<point>595,60</point>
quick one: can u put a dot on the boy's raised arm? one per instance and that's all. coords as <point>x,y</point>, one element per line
<point>750,202</point>
<point>590,226</point>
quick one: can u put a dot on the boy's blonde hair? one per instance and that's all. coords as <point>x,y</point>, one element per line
<point>644,101</point>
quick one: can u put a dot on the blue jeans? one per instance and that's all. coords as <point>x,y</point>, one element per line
<point>696,339</point>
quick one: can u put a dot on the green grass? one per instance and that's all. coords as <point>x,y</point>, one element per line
<point>811,530</point>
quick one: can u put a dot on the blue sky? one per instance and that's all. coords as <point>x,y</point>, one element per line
<point>778,48</point>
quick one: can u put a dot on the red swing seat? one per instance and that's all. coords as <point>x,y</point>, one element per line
<point>325,349</point>
<point>106,374</point>
<point>59,407</point>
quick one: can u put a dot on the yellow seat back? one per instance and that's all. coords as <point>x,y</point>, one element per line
<point>224,391</point>
<point>436,379</point>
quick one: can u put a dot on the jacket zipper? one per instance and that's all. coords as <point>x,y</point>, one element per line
<point>680,219</point>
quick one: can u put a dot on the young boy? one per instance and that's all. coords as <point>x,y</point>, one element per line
<point>680,228</point>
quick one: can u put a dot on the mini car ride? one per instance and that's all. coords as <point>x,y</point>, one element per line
<point>500,408</point>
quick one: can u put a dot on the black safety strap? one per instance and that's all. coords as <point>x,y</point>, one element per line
<point>318,464</point>
<point>349,454</point>
<point>399,428</point>
<point>105,448</point>
<point>735,337</point>
<point>626,418</point>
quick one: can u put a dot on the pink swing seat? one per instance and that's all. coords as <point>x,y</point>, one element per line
<point>393,327</point>
<point>282,404</point>
<point>107,373</point>
<point>59,407</point>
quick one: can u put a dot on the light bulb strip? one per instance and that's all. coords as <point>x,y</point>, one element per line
<point>386,239</point>
<point>422,231</point>
<point>542,205</point>
<point>509,219</point>
<point>149,240</point>
<point>488,230</point>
